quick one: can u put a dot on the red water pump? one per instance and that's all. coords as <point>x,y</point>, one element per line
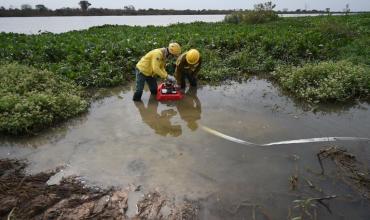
<point>168,92</point>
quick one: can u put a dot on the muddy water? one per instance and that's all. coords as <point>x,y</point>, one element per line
<point>162,146</point>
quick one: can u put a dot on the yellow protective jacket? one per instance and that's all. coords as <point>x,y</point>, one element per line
<point>182,66</point>
<point>153,63</point>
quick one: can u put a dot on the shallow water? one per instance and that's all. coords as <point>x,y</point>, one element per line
<point>161,146</point>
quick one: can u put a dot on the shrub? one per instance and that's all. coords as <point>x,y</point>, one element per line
<point>326,81</point>
<point>32,99</point>
<point>251,17</point>
<point>262,13</point>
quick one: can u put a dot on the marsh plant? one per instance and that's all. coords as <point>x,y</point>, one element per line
<point>32,99</point>
<point>326,81</point>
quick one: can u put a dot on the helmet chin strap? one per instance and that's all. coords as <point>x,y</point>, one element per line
<point>167,52</point>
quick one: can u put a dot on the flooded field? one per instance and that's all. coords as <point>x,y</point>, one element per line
<point>162,146</point>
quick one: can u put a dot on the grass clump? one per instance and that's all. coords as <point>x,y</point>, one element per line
<point>326,81</point>
<point>32,99</point>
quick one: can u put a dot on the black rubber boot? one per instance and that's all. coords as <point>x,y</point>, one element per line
<point>137,96</point>
<point>153,92</point>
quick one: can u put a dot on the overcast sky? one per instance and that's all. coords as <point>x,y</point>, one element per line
<point>355,5</point>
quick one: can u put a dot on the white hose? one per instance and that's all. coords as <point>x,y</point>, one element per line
<point>299,141</point>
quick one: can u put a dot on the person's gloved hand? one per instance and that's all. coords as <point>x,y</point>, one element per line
<point>171,78</point>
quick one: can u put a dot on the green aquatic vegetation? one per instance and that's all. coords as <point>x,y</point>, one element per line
<point>325,81</point>
<point>251,61</point>
<point>105,56</point>
<point>32,99</point>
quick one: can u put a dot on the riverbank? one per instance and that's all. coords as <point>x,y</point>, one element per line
<point>105,56</point>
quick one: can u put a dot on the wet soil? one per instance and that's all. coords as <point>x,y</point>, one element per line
<point>30,197</point>
<point>349,170</point>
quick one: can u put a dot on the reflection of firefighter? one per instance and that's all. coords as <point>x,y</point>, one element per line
<point>190,109</point>
<point>160,123</point>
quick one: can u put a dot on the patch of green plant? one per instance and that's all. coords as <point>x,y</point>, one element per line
<point>358,51</point>
<point>252,61</point>
<point>32,99</point>
<point>215,70</point>
<point>325,81</point>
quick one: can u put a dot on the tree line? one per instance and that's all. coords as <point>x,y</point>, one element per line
<point>84,10</point>
<point>27,10</point>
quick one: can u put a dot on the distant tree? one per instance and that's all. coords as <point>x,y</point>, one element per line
<point>41,7</point>
<point>327,10</point>
<point>298,10</point>
<point>26,7</point>
<point>2,8</point>
<point>285,10</point>
<point>84,5</point>
<point>129,8</point>
<point>267,6</point>
<point>347,9</point>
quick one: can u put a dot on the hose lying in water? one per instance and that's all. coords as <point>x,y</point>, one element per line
<point>299,141</point>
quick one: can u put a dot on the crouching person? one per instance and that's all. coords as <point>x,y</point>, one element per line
<point>187,67</point>
<point>152,65</point>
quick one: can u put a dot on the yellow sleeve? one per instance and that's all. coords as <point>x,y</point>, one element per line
<point>156,66</point>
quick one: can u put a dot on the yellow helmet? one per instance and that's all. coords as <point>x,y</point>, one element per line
<point>192,56</point>
<point>174,49</point>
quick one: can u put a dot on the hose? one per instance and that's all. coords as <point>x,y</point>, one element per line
<point>298,141</point>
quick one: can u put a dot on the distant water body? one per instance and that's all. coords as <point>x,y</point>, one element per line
<point>34,25</point>
<point>60,24</point>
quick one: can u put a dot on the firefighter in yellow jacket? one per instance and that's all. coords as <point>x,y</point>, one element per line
<point>151,65</point>
<point>187,67</point>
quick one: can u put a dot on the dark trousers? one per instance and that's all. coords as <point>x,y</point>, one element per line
<point>140,82</point>
<point>190,77</point>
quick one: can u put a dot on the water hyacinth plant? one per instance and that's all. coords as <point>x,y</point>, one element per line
<point>105,56</point>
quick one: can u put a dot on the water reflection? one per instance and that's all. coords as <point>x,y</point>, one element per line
<point>160,123</point>
<point>189,110</point>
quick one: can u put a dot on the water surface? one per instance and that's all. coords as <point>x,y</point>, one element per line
<point>60,24</point>
<point>34,25</point>
<point>162,146</point>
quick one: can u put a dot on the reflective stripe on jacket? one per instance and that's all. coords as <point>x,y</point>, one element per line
<point>153,63</point>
